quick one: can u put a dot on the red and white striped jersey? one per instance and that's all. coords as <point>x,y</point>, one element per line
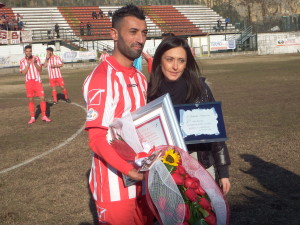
<point>54,72</point>
<point>103,57</point>
<point>111,91</point>
<point>33,73</point>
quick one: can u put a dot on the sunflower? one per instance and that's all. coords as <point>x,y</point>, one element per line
<point>171,157</point>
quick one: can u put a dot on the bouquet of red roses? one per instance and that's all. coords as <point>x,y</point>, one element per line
<point>180,191</point>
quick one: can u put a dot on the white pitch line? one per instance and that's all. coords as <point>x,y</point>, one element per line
<point>49,151</point>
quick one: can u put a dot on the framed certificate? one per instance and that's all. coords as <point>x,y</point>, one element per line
<point>201,123</point>
<point>156,123</point>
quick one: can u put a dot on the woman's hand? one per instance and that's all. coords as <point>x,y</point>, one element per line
<point>225,185</point>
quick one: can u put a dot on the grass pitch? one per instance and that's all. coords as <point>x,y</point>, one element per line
<point>261,107</point>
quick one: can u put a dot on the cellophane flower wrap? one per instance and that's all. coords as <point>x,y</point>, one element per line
<point>183,192</point>
<point>180,191</point>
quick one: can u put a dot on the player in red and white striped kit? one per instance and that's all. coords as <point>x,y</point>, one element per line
<point>103,56</point>
<point>114,89</point>
<point>54,63</point>
<point>30,66</point>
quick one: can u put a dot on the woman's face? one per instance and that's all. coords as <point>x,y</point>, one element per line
<point>173,63</point>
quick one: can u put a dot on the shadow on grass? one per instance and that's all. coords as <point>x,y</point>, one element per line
<point>61,96</point>
<point>38,110</point>
<point>279,204</point>
<point>91,204</point>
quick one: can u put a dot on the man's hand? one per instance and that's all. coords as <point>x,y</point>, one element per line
<point>48,56</point>
<point>135,175</point>
<point>29,62</point>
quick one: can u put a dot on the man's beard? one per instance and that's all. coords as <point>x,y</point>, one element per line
<point>132,54</point>
<point>129,52</point>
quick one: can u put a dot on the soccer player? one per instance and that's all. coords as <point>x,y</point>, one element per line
<point>30,66</point>
<point>103,56</point>
<point>54,63</point>
<point>115,88</point>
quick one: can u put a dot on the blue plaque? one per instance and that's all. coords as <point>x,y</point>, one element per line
<point>201,122</point>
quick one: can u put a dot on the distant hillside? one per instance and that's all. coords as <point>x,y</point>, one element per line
<point>261,13</point>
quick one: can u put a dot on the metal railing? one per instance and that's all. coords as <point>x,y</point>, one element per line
<point>48,35</point>
<point>51,3</point>
<point>94,45</point>
<point>245,39</point>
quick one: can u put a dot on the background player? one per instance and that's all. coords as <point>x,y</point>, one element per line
<point>54,63</point>
<point>31,67</point>
<point>103,56</point>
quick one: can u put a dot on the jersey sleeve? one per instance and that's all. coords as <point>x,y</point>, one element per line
<point>150,62</point>
<point>97,91</point>
<point>99,145</point>
<point>22,65</point>
<point>59,60</point>
<point>38,60</point>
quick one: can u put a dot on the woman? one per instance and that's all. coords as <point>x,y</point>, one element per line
<point>176,72</point>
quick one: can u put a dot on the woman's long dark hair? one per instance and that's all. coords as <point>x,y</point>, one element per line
<point>191,73</point>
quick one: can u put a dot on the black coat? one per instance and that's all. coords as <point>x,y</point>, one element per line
<point>209,154</point>
<point>215,153</point>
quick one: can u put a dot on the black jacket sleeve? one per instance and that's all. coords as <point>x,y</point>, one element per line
<point>218,150</point>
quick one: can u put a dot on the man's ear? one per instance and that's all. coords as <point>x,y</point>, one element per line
<point>114,34</point>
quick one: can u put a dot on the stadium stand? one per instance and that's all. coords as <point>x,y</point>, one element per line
<point>187,20</point>
<point>7,11</point>
<point>204,18</point>
<point>99,27</point>
<point>40,20</point>
<point>169,19</point>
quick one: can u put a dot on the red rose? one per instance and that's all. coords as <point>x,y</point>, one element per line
<point>187,176</point>
<point>205,203</point>
<point>184,223</point>
<point>211,219</point>
<point>183,209</point>
<point>187,213</point>
<point>191,182</point>
<point>181,170</point>
<point>191,194</point>
<point>162,203</point>
<point>200,191</point>
<point>178,178</point>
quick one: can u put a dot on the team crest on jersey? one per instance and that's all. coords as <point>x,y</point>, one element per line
<point>94,96</point>
<point>101,214</point>
<point>132,85</point>
<point>91,115</point>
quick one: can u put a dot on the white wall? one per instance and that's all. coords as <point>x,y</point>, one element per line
<point>278,43</point>
<point>268,43</point>
<point>10,55</point>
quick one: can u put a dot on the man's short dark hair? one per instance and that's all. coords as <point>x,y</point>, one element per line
<point>128,10</point>
<point>167,35</point>
<point>50,49</point>
<point>28,47</point>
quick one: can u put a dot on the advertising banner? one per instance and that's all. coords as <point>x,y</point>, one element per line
<point>76,56</point>
<point>26,36</point>
<point>222,45</point>
<point>3,37</point>
<point>14,37</point>
<point>287,42</point>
